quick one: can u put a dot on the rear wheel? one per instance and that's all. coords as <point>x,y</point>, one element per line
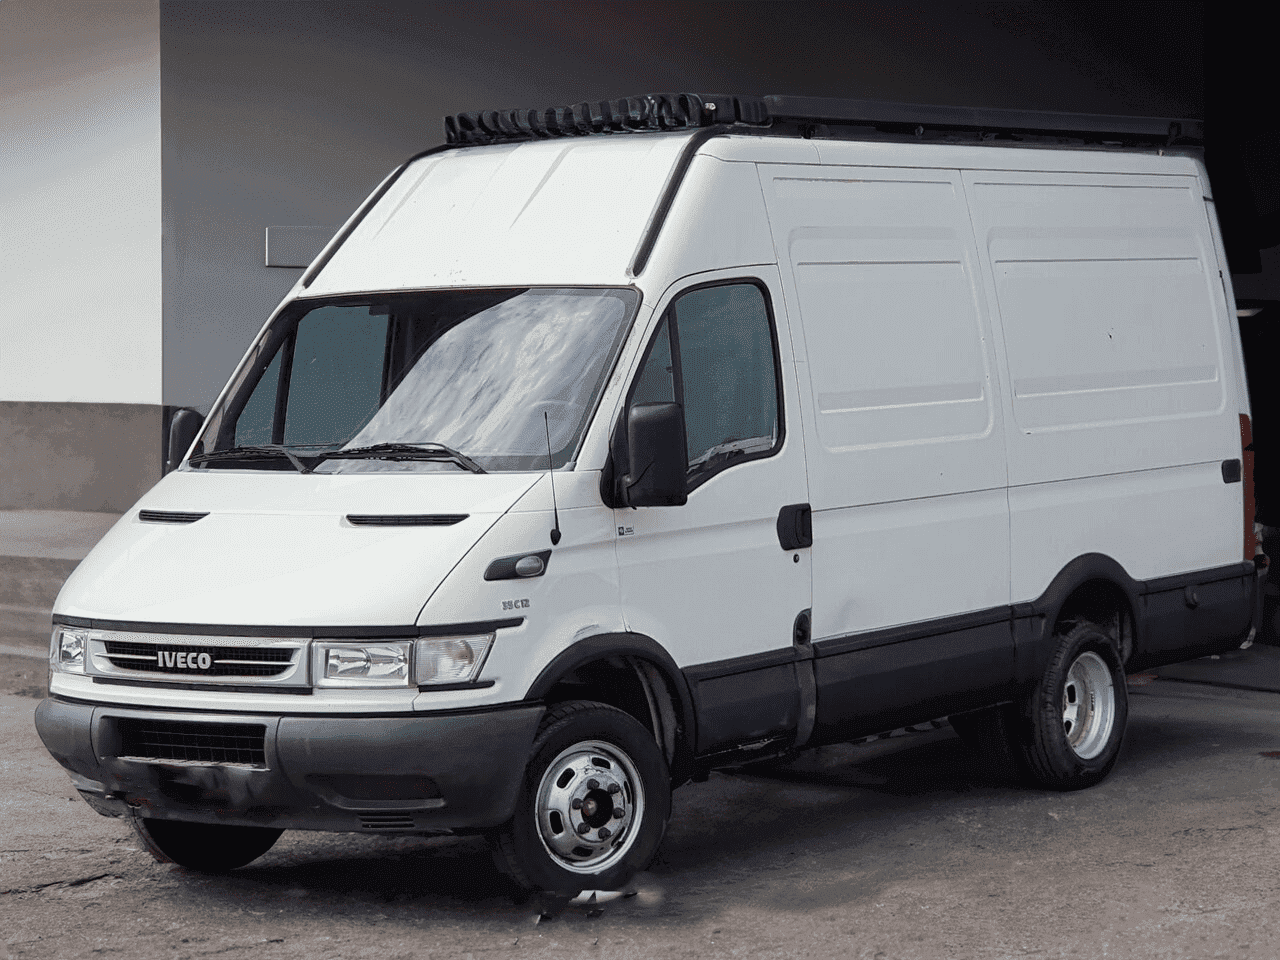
<point>1077,714</point>
<point>593,805</point>
<point>207,847</point>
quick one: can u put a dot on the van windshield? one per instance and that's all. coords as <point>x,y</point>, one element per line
<point>437,380</point>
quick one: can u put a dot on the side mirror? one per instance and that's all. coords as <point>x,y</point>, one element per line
<point>183,427</point>
<point>658,460</point>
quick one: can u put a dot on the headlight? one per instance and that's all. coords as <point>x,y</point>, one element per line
<point>346,664</point>
<point>450,659</point>
<point>68,649</point>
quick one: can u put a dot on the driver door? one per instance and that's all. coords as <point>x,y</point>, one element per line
<point>711,580</point>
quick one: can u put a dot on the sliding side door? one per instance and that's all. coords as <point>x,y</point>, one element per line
<point>903,427</point>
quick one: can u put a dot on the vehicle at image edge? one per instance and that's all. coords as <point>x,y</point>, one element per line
<point>612,444</point>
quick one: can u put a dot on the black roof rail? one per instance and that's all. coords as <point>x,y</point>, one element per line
<point>813,116</point>
<point>939,120</point>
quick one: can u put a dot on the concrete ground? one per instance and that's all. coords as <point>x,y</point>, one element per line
<point>900,848</point>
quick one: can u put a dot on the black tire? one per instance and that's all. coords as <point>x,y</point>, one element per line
<point>1074,722</point>
<point>206,847</point>
<point>542,847</point>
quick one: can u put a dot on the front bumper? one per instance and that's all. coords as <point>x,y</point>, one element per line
<point>398,773</point>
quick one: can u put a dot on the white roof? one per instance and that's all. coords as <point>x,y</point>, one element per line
<point>557,212</point>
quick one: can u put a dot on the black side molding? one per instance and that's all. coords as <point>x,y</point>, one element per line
<point>795,526</point>
<point>1231,471</point>
<point>659,215</point>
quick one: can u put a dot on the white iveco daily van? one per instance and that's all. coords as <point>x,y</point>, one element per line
<point>611,444</point>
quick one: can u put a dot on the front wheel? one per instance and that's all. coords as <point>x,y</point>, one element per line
<point>1078,712</point>
<point>206,847</point>
<point>593,805</point>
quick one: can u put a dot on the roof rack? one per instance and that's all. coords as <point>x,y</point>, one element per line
<point>814,117</point>
<point>653,111</point>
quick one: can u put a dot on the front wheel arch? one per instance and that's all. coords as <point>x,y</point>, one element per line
<point>656,676</point>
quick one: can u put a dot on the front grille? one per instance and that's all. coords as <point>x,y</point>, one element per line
<point>239,744</point>
<point>222,661</point>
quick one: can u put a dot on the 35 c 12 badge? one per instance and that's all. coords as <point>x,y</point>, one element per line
<point>515,604</point>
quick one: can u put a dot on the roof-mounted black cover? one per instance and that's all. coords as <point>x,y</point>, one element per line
<point>918,118</point>
<point>654,111</point>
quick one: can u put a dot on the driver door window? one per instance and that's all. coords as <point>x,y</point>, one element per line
<point>714,354</point>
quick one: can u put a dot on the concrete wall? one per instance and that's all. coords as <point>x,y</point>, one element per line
<point>83,456</point>
<point>80,287</point>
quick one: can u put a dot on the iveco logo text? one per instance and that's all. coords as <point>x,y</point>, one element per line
<point>185,661</point>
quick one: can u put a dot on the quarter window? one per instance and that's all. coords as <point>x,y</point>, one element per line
<point>257,419</point>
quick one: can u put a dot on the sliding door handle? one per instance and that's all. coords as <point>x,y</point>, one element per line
<point>795,526</point>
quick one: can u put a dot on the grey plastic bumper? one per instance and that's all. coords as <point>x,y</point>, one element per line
<point>455,771</point>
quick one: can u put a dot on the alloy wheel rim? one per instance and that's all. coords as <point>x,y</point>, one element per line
<point>1088,706</point>
<point>590,803</point>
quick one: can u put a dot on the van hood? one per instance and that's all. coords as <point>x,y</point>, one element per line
<point>278,549</point>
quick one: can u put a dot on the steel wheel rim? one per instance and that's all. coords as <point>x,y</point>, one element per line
<point>1088,706</point>
<point>592,785</point>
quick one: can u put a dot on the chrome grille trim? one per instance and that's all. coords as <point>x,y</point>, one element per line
<point>213,640</point>
<point>257,661</point>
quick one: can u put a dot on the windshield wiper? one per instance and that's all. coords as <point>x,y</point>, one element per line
<point>729,450</point>
<point>404,451</point>
<point>255,452</point>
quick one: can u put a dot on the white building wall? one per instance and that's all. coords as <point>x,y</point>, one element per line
<point>80,263</point>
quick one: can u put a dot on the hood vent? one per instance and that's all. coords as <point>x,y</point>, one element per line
<point>169,516</point>
<point>405,519</point>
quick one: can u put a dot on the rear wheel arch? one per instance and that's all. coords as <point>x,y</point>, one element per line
<point>1093,588</point>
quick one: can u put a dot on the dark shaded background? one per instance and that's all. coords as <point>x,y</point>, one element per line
<point>279,112</point>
